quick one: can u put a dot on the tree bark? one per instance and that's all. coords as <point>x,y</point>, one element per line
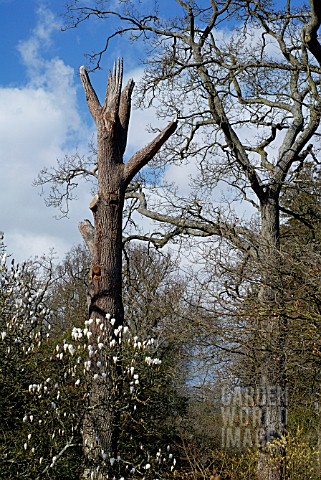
<point>272,381</point>
<point>104,240</point>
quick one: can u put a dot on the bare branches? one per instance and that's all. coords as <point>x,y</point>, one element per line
<point>310,31</point>
<point>113,116</point>
<point>113,92</point>
<point>63,179</point>
<point>91,97</point>
<point>141,158</point>
<point>239,237</point>
<point>59,456</point>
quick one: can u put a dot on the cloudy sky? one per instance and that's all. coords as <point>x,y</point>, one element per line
<point>43,116</point>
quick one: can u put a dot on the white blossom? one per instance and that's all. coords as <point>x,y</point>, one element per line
<point>71,349</point>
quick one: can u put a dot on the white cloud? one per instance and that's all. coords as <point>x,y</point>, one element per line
<point>39,122</point>
<point>41,37</point>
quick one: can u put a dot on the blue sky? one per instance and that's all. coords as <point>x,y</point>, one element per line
<point>43,116</point>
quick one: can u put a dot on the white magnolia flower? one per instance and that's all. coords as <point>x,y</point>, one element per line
<point>71,349</point>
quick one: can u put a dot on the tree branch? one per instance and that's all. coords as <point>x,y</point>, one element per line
<point>310,31</point>
<point>88,233</point>
<point>240,237</point>
<point>59,455</point>
<point>91,97</point>
<point>141,158</point>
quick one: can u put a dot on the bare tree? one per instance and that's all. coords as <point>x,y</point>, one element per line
<point>252,118</point>
<point>104,241</point>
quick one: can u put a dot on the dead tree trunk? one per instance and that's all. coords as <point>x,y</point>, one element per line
<point>104,240</point>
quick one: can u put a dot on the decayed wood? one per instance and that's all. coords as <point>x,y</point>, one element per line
<point>94,202</point>
<point>141,158</point>
<point>104,241</point>
<point>87,231</point>
<point>91,97</point>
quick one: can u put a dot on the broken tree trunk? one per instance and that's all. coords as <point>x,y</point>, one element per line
<point>104,240</point>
